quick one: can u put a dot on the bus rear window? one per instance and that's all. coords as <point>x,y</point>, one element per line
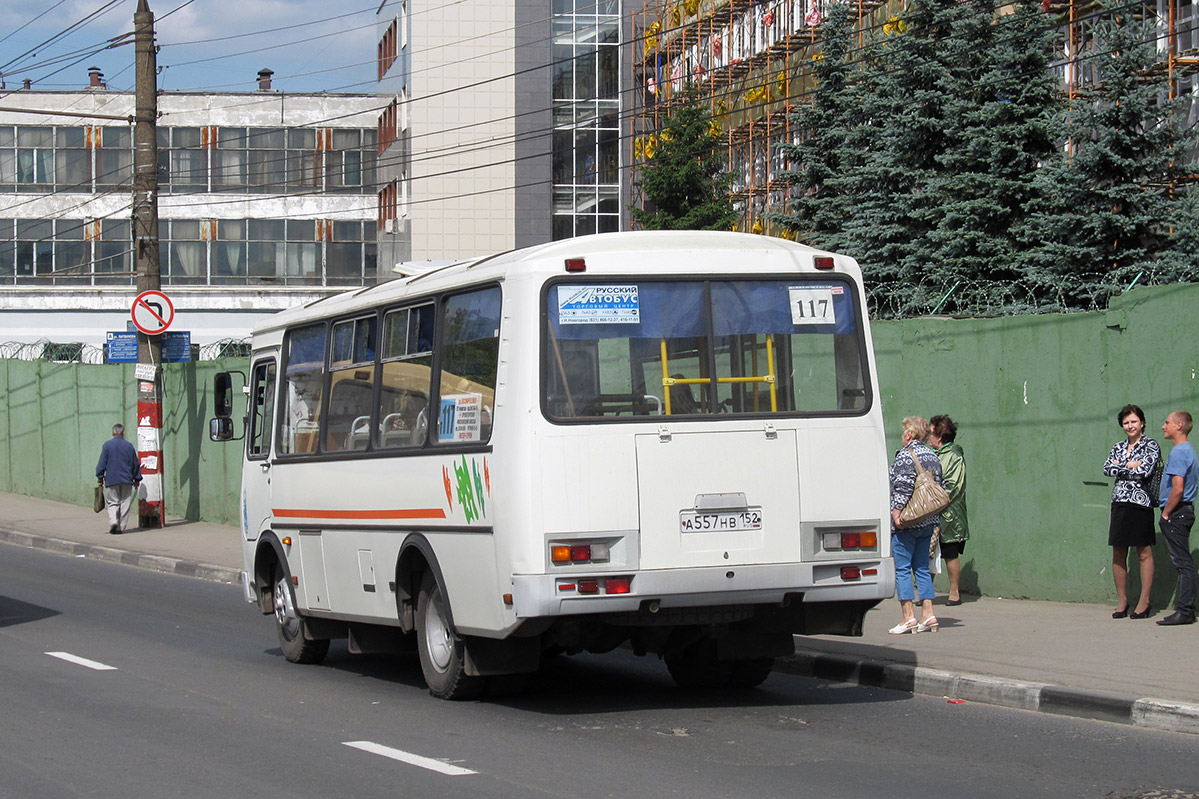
<point>696,348</point>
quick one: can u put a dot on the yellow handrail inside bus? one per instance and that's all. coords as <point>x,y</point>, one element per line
<point>768,378</point>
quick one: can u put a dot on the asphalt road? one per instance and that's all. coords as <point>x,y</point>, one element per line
<point>119,682</point>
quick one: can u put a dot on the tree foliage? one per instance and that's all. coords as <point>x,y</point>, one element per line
<point>945,156</point>
<point>685,179</point>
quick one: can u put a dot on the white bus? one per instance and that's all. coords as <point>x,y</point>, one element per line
<point>670,441</point>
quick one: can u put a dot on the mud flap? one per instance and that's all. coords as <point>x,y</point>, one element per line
<point>486,657</point>
<point>829,618</point>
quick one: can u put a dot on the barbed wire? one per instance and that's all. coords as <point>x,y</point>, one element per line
<point>80,352</point>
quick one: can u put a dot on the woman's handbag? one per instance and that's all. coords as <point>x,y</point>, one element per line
<point>98,502</point>
<point>928,498</point>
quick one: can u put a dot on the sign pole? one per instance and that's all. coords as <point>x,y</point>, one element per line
<point>145,245</point>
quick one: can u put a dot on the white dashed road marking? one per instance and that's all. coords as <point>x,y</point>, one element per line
<point>78,661</point>
<point>409,758</point>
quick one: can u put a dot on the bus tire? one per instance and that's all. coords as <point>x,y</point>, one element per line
<point>442,652</point>
<point>751,673</point>
<point>291,627</point>
<point>698,668</point>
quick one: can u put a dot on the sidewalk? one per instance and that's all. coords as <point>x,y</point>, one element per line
<point>1054,657</point>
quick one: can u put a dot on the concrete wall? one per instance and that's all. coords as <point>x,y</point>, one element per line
<point>1035,398</point>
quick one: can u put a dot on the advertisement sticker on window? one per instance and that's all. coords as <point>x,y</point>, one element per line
<point>461,418</point>
<point>596,305</point>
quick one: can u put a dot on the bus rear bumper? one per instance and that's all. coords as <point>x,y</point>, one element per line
<point>539,596</point>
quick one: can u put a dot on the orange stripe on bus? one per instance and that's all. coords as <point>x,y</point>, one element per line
<point>399,513</point>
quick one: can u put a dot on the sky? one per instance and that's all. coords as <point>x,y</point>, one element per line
<point>205,45</point>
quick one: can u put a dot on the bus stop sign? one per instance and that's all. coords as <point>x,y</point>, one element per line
<point>152,312</point>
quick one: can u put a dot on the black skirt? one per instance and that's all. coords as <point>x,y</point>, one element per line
<point>1131,526</point>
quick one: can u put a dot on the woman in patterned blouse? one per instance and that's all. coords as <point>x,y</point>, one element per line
<point>910,545</point>
<point>1131,462</point>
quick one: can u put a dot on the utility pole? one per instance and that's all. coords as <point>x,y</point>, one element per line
<point>146,258</point>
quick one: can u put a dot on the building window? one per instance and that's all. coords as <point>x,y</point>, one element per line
<point>35,249</point>
<point>586,98</point>
<point>72,253</point>
<point>344,252</point>
<point>8,251</point>
<point>73,168</point>
<point>188,253</point>
<point>114,251</point>
<point>229,252</point>
<point>344,163</point>
<point>115,158</point>
<point>266,159</point>
<point>188,160</point>
<point>35,158</point>
<point>230,162</point>
<point>303,159</point>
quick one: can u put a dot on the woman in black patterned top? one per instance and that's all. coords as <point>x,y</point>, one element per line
<point>1131,462</point>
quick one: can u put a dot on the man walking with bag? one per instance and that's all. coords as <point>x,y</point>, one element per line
<point>120,472</point>
<point>1180,484</point>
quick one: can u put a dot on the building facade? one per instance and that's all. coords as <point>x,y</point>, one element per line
<point>752,62</point>
<point>502,127</point>
<point>265,200</point>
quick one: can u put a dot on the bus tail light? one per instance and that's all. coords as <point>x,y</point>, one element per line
<point>823,262</point>
<point>842,540</point>
<point>616,585</point>
<point>580,265</point>
<point>851,573</point>
<point>565,554</point>
<point>588,586</point>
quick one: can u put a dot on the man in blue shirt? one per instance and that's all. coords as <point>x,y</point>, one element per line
<point>1180,484</point>
<point>120,472</point>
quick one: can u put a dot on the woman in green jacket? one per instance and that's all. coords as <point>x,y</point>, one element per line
<point>955,530</point>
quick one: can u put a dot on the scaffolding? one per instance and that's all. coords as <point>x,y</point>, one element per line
<point>751,61</point>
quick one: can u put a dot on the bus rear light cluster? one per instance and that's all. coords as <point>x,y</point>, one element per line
<point>857,572</point>
<point>596,585</point>
<point>837,541</point>
<point>564,554</point>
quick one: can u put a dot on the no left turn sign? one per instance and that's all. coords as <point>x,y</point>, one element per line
<point>152,312</point>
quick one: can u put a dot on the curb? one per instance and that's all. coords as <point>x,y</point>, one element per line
<point>158,563</point>
<point>1158,714</point>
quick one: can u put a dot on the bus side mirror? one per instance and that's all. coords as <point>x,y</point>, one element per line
<point>222,397</point>
<point>220,429</point>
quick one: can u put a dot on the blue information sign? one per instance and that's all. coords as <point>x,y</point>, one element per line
<point>122,347</point>
<point>176,346</point>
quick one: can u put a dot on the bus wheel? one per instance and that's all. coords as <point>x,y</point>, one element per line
<point>442,653</point>
<point>697,667</point>
<point>290,627</point>
<point>751,673</point>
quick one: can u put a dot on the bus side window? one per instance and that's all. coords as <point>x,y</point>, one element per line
<point>262,408</point>
<point>304,388</point>
<point>470,348</point>
<point>406,350</point>
<point>352,387</point>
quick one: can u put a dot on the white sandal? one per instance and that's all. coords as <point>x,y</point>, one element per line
<point>904,626</point>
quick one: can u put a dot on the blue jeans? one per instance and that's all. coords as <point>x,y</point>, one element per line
<point>910,550</point>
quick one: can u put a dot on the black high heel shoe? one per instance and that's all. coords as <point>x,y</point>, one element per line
<point>1145,615</point>
<point>1120,614</point>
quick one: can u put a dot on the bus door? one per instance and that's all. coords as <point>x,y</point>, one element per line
<point>256,476</point>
